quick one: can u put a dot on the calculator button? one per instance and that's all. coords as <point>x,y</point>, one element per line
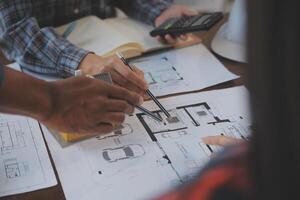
<point>201,20</point>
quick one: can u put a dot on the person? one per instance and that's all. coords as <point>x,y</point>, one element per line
<point>75,105</point>
<point>27,36</point>
<point>268,165</point>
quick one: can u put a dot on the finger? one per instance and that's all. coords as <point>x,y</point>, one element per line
<point>109,117</point>
<point>114,105</point>
<point>124,94</point>
<point>183,37</point>
<point>101,128</point>
<point>219,140</point>
<point>102,104</point>
<point>130,75</point>
<point>119,80</point>
<point>133,88</point>
<point>161,39</point>
<point>170,39</point>
<point>139,72</point>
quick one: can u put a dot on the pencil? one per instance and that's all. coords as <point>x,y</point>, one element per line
<point>147,91</point>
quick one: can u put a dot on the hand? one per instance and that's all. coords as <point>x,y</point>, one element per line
<point>221,140</point>
<point>86,105</point>
<point>171,12</point>
<point>121,74</point>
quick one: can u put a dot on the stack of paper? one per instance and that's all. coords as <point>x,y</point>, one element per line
<point>24,162</point>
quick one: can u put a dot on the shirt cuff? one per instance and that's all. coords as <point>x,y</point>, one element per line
<point>70,58</point>
<point>159,9</point>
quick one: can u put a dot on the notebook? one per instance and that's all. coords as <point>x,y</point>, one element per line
<point>118,34</point>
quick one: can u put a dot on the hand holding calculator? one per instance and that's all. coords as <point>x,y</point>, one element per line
<point>186,24</point>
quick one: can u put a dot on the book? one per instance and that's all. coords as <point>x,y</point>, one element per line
<point>105,37</point>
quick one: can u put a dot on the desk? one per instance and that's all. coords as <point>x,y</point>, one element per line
<point>57,192</point>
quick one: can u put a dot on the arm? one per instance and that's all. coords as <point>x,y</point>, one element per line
<point>78,104</point>
<point>37,49</point>
<point>156,12</point>
<point>43,51</point>
<point>26,96</point>
<point>145,10</point>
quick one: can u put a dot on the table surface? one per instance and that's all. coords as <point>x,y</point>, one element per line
<point>56,192</point>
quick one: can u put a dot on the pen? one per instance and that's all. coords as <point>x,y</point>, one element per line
<point>69,29</point>
<point>147,91</point>
<point>149,113</point>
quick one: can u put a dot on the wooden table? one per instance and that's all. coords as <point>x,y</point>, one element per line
<point>56,192</point>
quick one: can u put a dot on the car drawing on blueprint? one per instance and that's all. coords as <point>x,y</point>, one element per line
<point>124,152</point>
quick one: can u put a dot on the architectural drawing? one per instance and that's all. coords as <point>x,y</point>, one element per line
<point>121,130</point>
<point>163,74</point>
<point>165,154</point>
<point>24,162</point>
<point>201,113</point>
<point>182,70</point>
<point>236,130</point>
<point>125,152</point>
<point>176,134</point>
<point>153,127</point>
<point>14,169</point>
<point>11,137</point>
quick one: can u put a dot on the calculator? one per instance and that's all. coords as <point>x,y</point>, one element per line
<point>186,24</point>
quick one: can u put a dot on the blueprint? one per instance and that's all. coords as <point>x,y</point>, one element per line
<point>143,158</point>
<point>182,70</point>
<point>24,162</point>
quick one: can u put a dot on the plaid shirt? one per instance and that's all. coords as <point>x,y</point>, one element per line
<point>27,38</point>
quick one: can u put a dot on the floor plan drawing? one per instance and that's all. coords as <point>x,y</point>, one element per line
<point>24,162</point>
<point>14,169</point>
<point>11,137</point>
<point>164,74</point>
<point>182,70</point>
<point>166,154</point>
<point>123,129</point>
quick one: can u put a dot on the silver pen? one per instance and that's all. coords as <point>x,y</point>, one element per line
<point>147,91</point>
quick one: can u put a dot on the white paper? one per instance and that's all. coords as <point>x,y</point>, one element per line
<point>135,31</point>
<point>183,70</point>
<point>102,36</point>
<point>92,33</point>
<point>146,158</point>
<point>24,162</point>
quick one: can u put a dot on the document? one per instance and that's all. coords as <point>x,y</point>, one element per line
<point>177,71</point>
<point>183,70</point>
<point>24,162</point>
<point>143,158</point>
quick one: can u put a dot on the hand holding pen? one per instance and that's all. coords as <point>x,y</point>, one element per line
<point>147,91</point>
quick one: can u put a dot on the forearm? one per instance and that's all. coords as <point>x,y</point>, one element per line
<point>146,10</point>
<point>25,95</point>
<point>36,48</point>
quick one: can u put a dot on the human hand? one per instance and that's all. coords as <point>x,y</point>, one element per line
<point>88,106</point>
<point>171,12</point>
<point>121,74</point>
<point>220,140</point>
